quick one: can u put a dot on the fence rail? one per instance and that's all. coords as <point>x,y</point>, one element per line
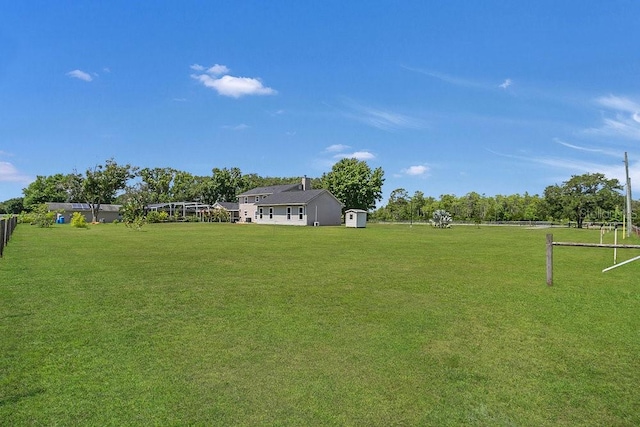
<point>7,225</point>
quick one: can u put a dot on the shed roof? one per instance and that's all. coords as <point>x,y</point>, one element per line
<point>356,210</point>
<point>82,207</point>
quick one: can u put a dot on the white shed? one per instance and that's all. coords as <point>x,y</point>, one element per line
<point>356,218</point>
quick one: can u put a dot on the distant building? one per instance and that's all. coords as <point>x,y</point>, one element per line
<point>107,212</point>
<point>292,204</point>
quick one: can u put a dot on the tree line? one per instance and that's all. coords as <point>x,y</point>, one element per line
<point>583,198</point>
<point>588,197</point>
<point>352,181</point>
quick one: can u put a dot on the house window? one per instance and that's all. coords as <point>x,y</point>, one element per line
<point>350,216</point>
<point>245,213</point>
<point>270,213</point>
<point>301,212</point>
<point>288,212</point>
<point>257,198</point>
<point>255,214</point>
<point>246,199</point>
<point>260,213</point>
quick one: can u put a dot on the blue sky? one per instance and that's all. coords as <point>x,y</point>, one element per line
<point>496,97</point>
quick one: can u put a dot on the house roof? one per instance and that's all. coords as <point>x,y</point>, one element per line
<point>356,210</point>
<point>82,207</point>
<point>272,189</point>
<point>230,206</point>
<point>293,198</point>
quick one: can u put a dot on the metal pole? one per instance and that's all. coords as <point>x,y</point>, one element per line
<point>629,219</point>
<point>549,259</point>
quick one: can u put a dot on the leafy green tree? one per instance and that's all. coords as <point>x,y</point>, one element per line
<point>134,202</point>
<point>582,196</point>
<point>158,182</point>
<point>45,189</point>
<point>101,184</point>
<point>398,204</point>
<point>14,206</point>
<point>184,187</point>
<point>354,183</point>
<point>227,184</point>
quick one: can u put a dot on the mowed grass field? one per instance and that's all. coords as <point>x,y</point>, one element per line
<point>220,324</point>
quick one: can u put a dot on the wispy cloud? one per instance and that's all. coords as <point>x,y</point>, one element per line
<point>570,166</point>
<point>460,81</point>
<point>382,119</point>
<point>506,84</point>
<point>239,127</point>
<point>9,173</point>
<point>81,75</point>
<point>216,78</point>
<point>619,103</point>
<point>454,80</point>
<point>586,149</point>
<point>336,148</point>
<point>624,121</point>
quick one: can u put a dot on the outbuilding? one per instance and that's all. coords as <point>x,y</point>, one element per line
<point>355,218</point>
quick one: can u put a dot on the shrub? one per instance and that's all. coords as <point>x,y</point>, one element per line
<point>136,222</point>
<point>26,218</point>
<point>157,216</point>
<point>78,220</point>
<point>43,218</point>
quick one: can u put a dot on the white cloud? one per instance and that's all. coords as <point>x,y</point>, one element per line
<point>218,70</point>
<point>234,87</point>
<point>336,148</point>
<point>506,84</point>
<point>359,155</point>
<point>416,170</point>
<point>196,67</point>
<point>9,173</point>
<point>78,74</point>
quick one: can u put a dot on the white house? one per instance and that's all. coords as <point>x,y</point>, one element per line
<point>294,204</point>
<point>356,218</point>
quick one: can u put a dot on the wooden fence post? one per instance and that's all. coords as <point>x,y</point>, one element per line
<point>549,259</point>
<point>2,233</point>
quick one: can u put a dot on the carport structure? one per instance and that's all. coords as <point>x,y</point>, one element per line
<point>179,208</point>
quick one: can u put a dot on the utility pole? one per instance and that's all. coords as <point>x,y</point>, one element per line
<point>629,221</point>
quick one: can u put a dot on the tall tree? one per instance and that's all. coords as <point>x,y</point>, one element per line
<point>227,184</point>
<point>157,182</point>
<point>45,189</point>
<point>583,195</point>
<point>184,187</point>
<point>354,183</point>
<point>101,184</point>
<point>14,206</point>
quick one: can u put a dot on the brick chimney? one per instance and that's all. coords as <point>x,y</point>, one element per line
<point>306,183</point>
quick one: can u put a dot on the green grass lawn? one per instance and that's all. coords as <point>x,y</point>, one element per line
<point>218,324</point>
